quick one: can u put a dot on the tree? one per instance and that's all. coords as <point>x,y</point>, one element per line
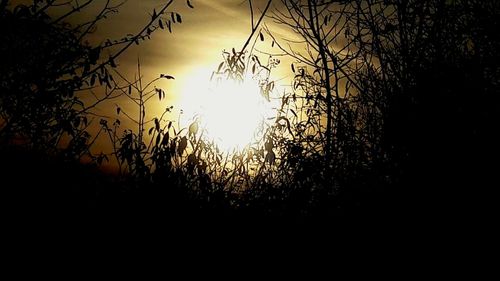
<point>50,72</point>
<point>336,110</point>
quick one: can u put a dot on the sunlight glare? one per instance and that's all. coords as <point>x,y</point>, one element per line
<point>231,112</point>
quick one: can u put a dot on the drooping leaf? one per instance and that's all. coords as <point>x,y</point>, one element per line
<point>189,4</point>
<point>270,157</point>
<point>158,139</point>
<point>182,145</point>
<point>157,124</point>
<point>118,109</point>
<point>193,128</point>
<point>293,68</point>
<point>220,66</point>
<point>160,22</point>
<point>178,17</point>
<point>261,36</point>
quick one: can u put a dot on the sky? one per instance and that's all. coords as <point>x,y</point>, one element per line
<point>191,51</point>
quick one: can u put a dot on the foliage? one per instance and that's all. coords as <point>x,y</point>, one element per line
<point>385,94</point>
<point>52,77</point>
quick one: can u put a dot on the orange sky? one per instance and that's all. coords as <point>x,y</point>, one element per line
<point>194,48</point>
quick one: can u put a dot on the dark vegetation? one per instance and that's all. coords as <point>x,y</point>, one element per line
<point>390,119</point>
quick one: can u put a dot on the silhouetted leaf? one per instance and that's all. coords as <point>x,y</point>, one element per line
<point>270,157</point>
<point>157,124</point>
<point>189,4</point>
<point>272,44</point>
<point>151,130</point>
<point>220,66</point>
<point>167,76</point>
<point>178,17</point>
<point>158,139</point>
<point>160,22</point>
<point>182,145</point>
<point>118,109</point>
<point>191,159</point>
<point>92,79</point>
<point>261,36</point>
<point>293,68</point>
<point>164,142</point>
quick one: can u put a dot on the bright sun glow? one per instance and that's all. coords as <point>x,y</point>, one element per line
<point>230,112</point>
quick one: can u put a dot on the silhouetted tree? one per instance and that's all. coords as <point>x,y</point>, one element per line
<point>52,77</point>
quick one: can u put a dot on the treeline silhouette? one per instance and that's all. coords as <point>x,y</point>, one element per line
<point>391,119</point>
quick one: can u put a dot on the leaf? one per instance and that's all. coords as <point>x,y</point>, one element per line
<point>154,14</point>
<point>169,26</point>
<point>270,157</point>
<point>272,44</point>
<point>157,124</point>
<point>158,139</point>
<point>164,142</point>
<point>167,76</point>
<point>182,145</point>
<point>261,36</point>
<point>92,79</point>
<point>293,68</point>
<point>191,159</point>
<point>172,16</point>
<point>269,145</point>
<point>178,17</point>
<point>193,128</point>
<point>253,69</point>
<point>118,109</point>
<point>129,89</point>
<point>151,130</point>
<point>220,66</point>
<point>160,22</point>
<point>189,4</point>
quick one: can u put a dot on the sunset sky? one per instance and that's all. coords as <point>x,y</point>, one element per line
<point>190,53</point>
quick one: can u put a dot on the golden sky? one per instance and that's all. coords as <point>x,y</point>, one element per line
<point>190,53</point>
<point>193,48</point>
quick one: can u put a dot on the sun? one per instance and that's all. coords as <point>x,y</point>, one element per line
<point>232,113</point>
